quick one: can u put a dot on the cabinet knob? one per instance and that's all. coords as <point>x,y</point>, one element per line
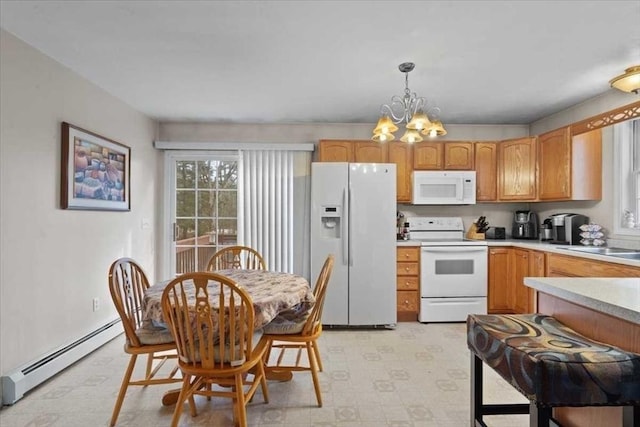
<point>406,255</point>
<point>406,302</point>
<point>406,283</point>
<point>406,269</point>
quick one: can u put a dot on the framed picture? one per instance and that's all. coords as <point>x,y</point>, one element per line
<point>95,171</point>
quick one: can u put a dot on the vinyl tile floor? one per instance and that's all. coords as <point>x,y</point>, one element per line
<point>413,375</point>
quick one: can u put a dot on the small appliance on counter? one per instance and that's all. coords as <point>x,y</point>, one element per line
<point>546,230</point>
<point>496,233</point>
<point>566,228</point>
<point>525,225</point>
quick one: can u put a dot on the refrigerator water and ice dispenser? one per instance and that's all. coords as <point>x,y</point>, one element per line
<point>330,217</point>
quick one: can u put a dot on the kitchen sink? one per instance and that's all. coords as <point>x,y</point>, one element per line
<point>628,255</point>
<point>614,252</point>
<point>601,251</point>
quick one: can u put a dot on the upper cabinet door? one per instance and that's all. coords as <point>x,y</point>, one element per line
<point>517,169</point>
<point>458,155</point>
<point>401,154</point>
<point>331,150</point>
<point>570,166</point>
<point>370,152</point>
<point>486,162</point>
<point>554,159</point>
<point>428,155</point>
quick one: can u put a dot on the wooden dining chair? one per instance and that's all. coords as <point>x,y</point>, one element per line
<point>302,333</point>
<point>236,257</point>
<point>127,283</point>
<point>216,342</point>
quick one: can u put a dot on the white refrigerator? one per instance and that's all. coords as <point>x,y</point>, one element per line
<point>353,217</point>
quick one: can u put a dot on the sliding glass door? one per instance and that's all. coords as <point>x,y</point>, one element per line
<point>203,206</point>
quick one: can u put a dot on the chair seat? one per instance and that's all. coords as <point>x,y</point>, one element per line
<point>149,334</point>
<point>287,323</point>
<point>257,334</point>
<point>553,365</point>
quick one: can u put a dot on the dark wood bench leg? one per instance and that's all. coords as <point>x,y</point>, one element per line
<point>476,392</point>
<point>631,416</point>
<point>539,416</point>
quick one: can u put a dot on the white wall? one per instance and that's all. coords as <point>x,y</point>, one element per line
<point>54,261</point>
<point>312,132</point>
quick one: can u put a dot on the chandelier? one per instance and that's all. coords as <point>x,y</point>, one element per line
<point>409,109</point>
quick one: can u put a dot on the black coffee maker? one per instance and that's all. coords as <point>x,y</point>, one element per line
<point>525,225</point>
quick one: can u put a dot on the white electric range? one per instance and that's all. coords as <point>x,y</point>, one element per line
<point>453,270</point>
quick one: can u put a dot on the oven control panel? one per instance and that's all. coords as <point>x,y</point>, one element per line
<point>435,223</point>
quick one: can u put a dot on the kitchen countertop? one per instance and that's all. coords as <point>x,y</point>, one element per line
<point>408,242</point>
<point>616,297</point>
<point>543,246</point>
<point>561,250</point>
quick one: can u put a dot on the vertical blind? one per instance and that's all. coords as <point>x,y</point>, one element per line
<point>265,211</point>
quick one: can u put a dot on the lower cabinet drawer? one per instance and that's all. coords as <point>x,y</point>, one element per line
<point>407,283</point>
<point>407,269</point>
<point>407,301</point>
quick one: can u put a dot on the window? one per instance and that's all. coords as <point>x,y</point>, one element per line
<point>627,178</point>
<point>220,198</point>
<point>204,208</point>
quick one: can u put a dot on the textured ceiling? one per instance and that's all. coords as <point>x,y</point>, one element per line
<point>493,62</point>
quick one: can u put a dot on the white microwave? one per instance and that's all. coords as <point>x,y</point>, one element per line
<point>444,188</point>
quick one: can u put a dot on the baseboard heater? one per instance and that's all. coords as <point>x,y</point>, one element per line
<point>23,379</point>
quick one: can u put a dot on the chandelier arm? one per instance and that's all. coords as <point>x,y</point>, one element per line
<point>403,109</point>
<point>395,109</point>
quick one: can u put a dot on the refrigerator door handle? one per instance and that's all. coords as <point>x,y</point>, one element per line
<point>345,215</point>
<point>350,224</point>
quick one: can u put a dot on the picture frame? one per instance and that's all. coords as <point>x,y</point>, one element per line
<point>95,171</point>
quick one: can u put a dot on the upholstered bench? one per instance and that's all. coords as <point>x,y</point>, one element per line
<point>552,366</point>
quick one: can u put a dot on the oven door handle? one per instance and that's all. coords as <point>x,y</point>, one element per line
<point>454,249</point>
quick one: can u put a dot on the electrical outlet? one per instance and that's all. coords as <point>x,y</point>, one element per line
<point>96,304</point>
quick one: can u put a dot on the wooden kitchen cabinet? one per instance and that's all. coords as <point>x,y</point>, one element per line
<point>458,155</point>
<point>570,167</point>
<point>508,267</point>
<point>527,263</point>
<point>570,266</point>
<point>486,165</point>
<point>450,155</point>
<point>408,283</point>
<point>370,152</point>
<point>401,153</point>
<point>333,150</point>
<point>517,169</point>
<point>500,282</point>
<point>520,271</point>
<point>427,155</point>
<point>360,151</point>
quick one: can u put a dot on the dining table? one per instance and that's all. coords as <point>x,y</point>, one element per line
<point>272,293</point>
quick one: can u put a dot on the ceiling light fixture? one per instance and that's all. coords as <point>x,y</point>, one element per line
<point>629,81</point>
<point>407,109</point>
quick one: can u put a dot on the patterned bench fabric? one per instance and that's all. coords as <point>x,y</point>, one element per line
<point>553,365</point>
